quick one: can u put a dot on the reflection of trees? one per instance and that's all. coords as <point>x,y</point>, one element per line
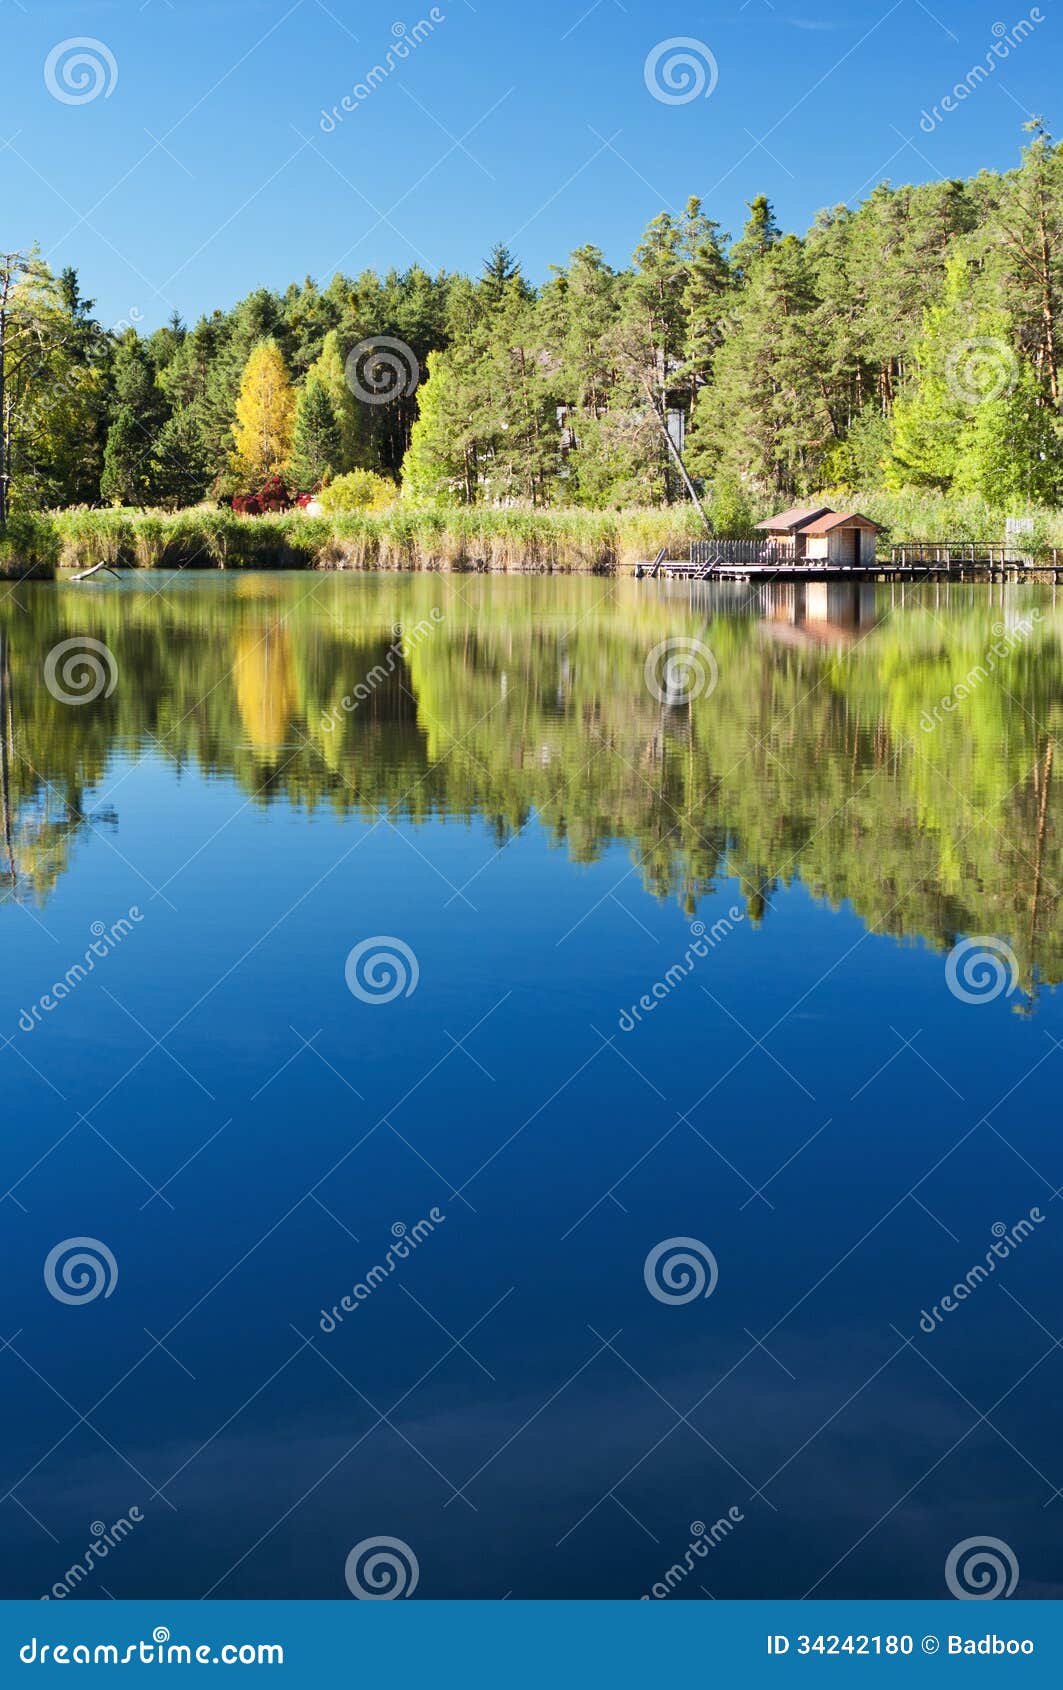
<point>265,685</point>
<point>37,821</point>
<point>810,758</point>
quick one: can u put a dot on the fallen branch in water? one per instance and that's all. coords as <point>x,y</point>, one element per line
<point>85,573</point>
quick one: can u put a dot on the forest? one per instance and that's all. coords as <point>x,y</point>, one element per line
<point>909,347</point>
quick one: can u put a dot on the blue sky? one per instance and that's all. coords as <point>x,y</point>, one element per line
<point>205,171</point>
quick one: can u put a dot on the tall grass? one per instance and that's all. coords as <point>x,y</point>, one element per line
<point>402,537</point>
<point>29,545</point>
<point>463,538</point>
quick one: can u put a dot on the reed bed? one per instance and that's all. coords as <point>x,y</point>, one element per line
<point>403,537</point>
<point>406,537</point>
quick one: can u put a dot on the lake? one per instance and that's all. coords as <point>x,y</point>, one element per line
<point>559,1075</point>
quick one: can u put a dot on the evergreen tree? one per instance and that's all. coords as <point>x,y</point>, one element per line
<point>316,438</point>
<point>760,234</point>
<point>1029,226</point>
<point>500,270</point>
<point>764,425</point>
<point>127,466</point>
<point>182,466</point>
<point>139,412</point>
<point>708,299</point>
<point>328,370</point>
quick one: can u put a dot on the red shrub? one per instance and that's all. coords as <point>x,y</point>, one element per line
<point>273,495</point>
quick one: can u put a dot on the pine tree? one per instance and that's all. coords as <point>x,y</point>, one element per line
<point>328,370</point>
<point>127,471</point>
<point>499,271</point>
<point>1029,227</point>
<point>764,426</point>
<point>760,234</point>
<point>316,438</point>
<point>265,411</point>
<point>138,416</point>
<point>182,467</point>
<point>708,298</point>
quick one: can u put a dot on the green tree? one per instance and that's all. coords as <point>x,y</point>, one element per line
<point>760,234</point>
<point>127,466</point>
<point>444,460</point>
<point>138,415</point>
<point>35,337</point>
<point>764,425</point>
<point>328,370</point>
<point>1011,449</point>
<point>500,271</point>
<point>182,467</point>
<point>316,437</point>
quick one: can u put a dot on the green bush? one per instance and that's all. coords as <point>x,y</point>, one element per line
<point>360,490</point>
<point>29,545</point>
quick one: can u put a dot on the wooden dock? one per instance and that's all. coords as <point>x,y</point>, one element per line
<point>760,561</point>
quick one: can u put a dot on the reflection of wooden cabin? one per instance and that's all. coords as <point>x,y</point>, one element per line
<point>811,613</point>
<point>820,535</point>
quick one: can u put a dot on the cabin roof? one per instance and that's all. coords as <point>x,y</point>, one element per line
<point>830,520</point>
<point>788,522</point>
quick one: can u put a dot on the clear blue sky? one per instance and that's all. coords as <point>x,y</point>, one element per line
<point>205,171</point>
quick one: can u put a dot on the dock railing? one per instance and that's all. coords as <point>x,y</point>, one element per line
<point>705,553</point>
<point>972,555</point>
<point>933,559</point>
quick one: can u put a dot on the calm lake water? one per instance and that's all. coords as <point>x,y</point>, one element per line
<point>669,896</point>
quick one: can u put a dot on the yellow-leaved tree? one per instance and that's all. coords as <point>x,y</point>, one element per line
<point>265,416</point>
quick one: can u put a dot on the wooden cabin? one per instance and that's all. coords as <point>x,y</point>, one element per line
<point>821,535</point>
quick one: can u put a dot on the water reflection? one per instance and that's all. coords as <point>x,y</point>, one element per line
<point>504,698</point>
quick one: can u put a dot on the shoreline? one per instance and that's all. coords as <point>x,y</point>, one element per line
<point>435,539</point>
